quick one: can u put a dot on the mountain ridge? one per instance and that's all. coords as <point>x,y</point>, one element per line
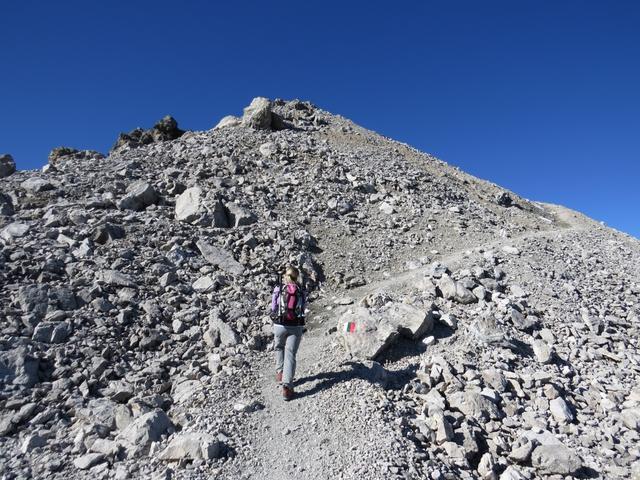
<point>135,335</point>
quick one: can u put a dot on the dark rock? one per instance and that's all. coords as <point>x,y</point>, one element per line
<point>66,153</point>
<point>164,130</point>
<point>6,205</point>
<point>504,199</point>
<point>34,300</point>
<point>107,232</point>
<point>7,165</point>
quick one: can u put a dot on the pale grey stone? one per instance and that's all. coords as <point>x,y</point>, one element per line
<point>220,258</point>
<point>14,230</point>
<point>560,410</point>
<point>474,405</point>
<point>145,429</point>
<point>139,196</point>
<point>189,205</point>
<point>239,216</point>
<point>115,278</point>
<point>228,121</point>
<point>191,446</point>
<point>258,114</point>
<point>542,351</point>
<point>85,462</point>
<point>555,459</point>
<point>512,473</point>
<point>31,442</point>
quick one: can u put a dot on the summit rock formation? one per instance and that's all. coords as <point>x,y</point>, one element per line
<point>456,330</point>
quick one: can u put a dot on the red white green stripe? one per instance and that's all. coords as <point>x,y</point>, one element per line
<point>350,327</point>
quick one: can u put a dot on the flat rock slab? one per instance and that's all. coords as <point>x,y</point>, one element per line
<point>220,258</point>
<point>115,278</point>
<point>89,460</point>
<point>14,230</point>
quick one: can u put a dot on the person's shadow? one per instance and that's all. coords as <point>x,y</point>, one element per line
<point>375,374</point>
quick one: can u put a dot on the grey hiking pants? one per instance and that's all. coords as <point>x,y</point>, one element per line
<point>286,341</point>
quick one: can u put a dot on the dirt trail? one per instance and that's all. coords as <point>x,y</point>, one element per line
<point>329,430</point>
<point>332,428</point>
<point>566,220</point>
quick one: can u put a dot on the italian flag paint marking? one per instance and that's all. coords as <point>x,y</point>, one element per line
<point>350,327</point>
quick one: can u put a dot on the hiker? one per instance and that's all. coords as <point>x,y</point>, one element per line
<point>287,312</point>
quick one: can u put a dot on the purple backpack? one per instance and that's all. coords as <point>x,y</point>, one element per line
<point>291,304</point>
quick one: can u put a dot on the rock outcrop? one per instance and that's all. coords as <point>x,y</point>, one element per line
<point>164,130</point>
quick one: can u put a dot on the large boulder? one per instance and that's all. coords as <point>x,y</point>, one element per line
<point>85,462</point>
<point>7,165</point>
<point>139,196</point>
<point>99,411</point>
<point>51,332</point>
<point>555,460</point>
<point>226,334</point>
<point>33,300</point>
<point>367,332</point>
<point>411,321</point>
<point>258,114</point>
<point>37,185</point>
<point>191,446</point>
<point>189,205</point>
<point>184,391</point>
<point>115,278</point>
<point>147,428</point>
<point>107,232</point>
<point>363,335</point>
<point>560,410</point>
<point>631,418</point>
<point>192,206</point>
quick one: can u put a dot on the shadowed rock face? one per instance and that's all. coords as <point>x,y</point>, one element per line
<point>135,291</point>
<point>7,165</point>
<point>164,130</point>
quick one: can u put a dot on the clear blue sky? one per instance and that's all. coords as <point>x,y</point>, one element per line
<point>541,97</point>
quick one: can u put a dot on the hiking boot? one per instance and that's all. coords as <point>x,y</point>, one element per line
<point>287,393</point>
<point>279,377</point>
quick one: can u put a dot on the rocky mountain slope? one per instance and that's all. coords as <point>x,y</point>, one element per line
<point>494,337</point>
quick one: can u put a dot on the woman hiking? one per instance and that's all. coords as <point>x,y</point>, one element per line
<point>287,311</point>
